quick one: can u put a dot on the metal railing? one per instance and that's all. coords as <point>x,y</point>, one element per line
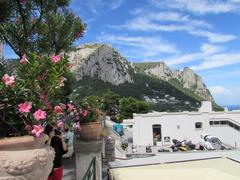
<point>91,171</point>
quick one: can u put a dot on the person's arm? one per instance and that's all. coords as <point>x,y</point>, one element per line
<point>64,145</point>
<point>51,134</point>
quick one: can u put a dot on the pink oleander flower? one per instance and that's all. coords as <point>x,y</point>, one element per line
<point>45,101</point>
<point>56,58</point>
<point>23,1</point>
<point>37,130</point>
<point>42,96</point>
<point>84,113</point>
<point>24,107</point>
<point>58,110</point>
<point>60,124</point>
<point>63,106</point>
<point>8,80</point>
<point>62,80</point>
<point>48,104</point>
<point>78,127</point>
<point>70,107</point>
<point>78,35</point>
<point>24,59</point>
<point>39,114</point>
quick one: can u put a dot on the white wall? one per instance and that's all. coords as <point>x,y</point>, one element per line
<point>142,126</point>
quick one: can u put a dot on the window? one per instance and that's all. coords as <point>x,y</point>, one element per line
<point>211,123</point>
<point>223,122</point>
<point>216,122</point>
<point>198,125</point>
<point>236,127</point>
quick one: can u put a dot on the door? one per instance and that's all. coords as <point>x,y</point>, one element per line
<point>157,133</point>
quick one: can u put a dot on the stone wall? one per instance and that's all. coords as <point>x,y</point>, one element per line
<point>85,151</point>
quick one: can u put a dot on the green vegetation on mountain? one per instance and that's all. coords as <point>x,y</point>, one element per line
<point>167,97</point>
<point>188,92</point>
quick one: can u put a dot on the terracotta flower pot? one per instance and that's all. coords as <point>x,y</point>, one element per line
<point>25,157</point>
<point>91,131</point>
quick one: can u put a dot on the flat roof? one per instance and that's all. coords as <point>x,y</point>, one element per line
<point>207,169</point>
<point>166,157</point>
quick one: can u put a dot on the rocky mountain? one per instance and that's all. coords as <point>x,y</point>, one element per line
<point>194,82</point>
<point>101,61</point>
<point>186,77</point>
<point>154,82</point>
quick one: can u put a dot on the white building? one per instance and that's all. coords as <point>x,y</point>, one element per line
<point>159,128</point>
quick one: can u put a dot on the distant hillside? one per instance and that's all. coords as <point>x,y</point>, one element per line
<point>162,95</point>
<point>185,79</point>
<point>99,67</point>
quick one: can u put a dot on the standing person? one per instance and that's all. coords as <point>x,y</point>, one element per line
<point>56,140</point>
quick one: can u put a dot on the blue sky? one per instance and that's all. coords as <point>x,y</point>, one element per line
<point>200,34</point>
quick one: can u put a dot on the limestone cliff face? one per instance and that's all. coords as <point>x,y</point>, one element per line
<point>187,77</point>
<point>101,61</point>
<point>190,80</point>
<point>161,70</point>
<point>105,63</point>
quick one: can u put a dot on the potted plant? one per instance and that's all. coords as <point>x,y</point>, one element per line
<point>30,99</point>
<point>90,118</point>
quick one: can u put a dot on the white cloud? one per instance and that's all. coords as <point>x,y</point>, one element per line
<point>218,60</point>
<point>210,57</point>
<point>144,24</point>
<point>155,21</point>
<point>199,6</point>
<point>95,6</point>
<point>213,75</point>
<point>226,95</point>
<point>145,46</point>
<point>213,37</point>
<point>116,4</point>
<point>184,58</point>
<point>234,1</point>
<point>216,90</point>
<point>208,49</point>
<point>161,16</point>
<point>169,16</point>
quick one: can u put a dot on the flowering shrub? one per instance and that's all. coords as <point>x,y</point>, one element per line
<point>31,97</point>
<point>87,114</point>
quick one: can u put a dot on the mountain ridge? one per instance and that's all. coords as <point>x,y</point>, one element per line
<point>153,82</point>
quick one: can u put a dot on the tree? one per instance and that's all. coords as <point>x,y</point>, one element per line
<point>130,105</point>
<point>41,26</point>
<point>111,102</point>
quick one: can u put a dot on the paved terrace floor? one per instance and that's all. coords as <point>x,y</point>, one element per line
<point>69,169</point>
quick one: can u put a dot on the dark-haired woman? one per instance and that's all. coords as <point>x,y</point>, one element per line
<point>56,140</point>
